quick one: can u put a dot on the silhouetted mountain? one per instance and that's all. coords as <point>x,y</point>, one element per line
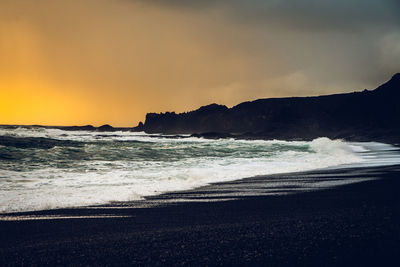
<point>367,115</point>
<point>106,128</point>
<point>103,128</point>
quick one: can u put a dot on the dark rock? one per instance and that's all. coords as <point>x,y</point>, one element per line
<point>205,119</point>
<point>138,128</point>
<point>366,115</point>
<point>106,128</point>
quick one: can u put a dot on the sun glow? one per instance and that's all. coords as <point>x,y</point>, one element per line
<point>30,102</point>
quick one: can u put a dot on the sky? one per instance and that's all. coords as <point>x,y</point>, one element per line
<point>78,62</point>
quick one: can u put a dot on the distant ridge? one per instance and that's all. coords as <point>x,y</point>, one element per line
<point>367,115</point>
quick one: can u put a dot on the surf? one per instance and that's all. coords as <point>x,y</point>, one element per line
<point>81,168</point>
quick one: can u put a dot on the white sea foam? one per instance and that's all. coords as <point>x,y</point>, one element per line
<point>109,167</point>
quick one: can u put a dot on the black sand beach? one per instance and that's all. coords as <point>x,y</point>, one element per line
<point>350,225</point>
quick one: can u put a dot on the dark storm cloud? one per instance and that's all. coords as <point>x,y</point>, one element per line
<point>345,15</point>
<point>327,41</point>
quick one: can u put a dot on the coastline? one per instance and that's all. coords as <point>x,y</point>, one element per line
<point>350,224</point>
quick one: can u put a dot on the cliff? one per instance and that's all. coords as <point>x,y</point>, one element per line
<point>366,115</point>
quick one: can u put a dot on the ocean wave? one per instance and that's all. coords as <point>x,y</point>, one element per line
<point>58,169</point>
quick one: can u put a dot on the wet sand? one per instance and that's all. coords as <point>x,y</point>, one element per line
<point>349,225</point>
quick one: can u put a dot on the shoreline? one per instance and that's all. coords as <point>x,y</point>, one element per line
<point>356,223</point>
<point>235,189</point>
<point>39,202</point>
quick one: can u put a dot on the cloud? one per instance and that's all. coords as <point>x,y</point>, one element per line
<point>124,58</point>
<point>309,15</point>
<point>339,44</point>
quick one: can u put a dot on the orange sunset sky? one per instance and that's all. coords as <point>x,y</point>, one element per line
<point>72,62</point>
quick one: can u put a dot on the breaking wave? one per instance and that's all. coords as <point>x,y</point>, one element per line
<point>50,168</point>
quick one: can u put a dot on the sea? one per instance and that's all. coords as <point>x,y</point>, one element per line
<point>43,168</point>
